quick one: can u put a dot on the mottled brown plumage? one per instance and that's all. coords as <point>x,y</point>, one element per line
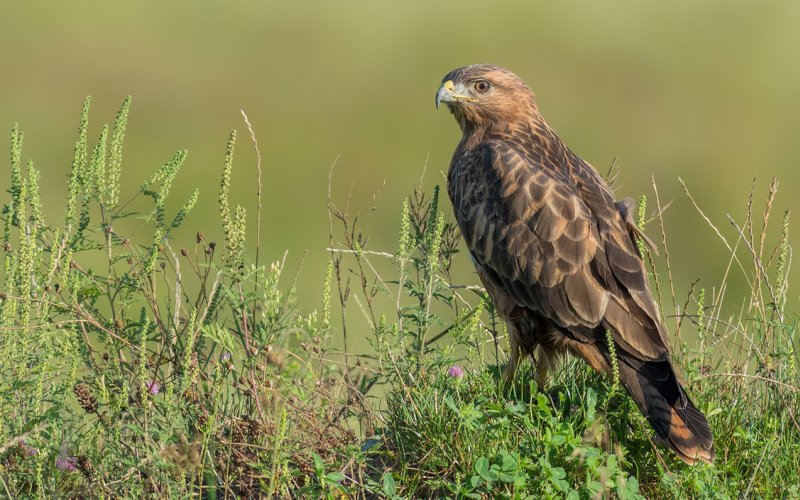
<point>557,253</point>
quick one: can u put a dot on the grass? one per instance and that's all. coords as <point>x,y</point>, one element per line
<point>144,366</point>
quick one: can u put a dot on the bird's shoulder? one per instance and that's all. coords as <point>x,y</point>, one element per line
<point>522,175</point>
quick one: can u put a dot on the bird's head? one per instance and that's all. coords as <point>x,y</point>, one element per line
<point>484,95</point>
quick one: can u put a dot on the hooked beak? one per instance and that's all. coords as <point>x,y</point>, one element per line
<point>449,92</point>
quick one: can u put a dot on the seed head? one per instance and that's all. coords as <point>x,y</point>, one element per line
<point>85,398</point>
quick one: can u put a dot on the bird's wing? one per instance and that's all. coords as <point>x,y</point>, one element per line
<point>557,245</point>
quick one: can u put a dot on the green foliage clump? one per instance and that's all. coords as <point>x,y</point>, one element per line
<point>470,438</point>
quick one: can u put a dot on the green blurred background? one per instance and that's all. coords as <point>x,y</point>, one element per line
<point>707,91</point>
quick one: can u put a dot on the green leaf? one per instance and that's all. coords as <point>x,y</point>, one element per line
<point>492,475</point>
<point>220,336</point>
<point>319,465</point>
<point>628,488</point>
<point>389,486</point>
<point>595,487</point>
<point>507,477</point>
<point>591,404</point>
<point>475,481</point>
<point>561,485</point>
<point>557,475</point>
<point>482,466</point>
<point>334,477</point>
<point>487,472</point>
<point>508,463</point>
<point>518,408</point>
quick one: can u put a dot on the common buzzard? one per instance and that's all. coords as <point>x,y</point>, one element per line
<point>557,253</point>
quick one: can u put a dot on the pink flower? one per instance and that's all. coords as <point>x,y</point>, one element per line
<point>153,387</point>
<point>455,371</point>
<point>66,464</point>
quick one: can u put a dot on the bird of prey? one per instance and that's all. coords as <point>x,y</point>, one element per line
<point>557,253</point>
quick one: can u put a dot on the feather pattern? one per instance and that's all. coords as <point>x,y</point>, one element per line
<point>558,253</point>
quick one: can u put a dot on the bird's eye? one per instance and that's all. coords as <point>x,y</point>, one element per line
<point>481,86</point>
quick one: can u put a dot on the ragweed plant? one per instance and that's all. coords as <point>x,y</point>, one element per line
<point>145,371</point>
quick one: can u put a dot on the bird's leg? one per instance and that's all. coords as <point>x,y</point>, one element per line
<point>511,367</point>
<point>542,368</point>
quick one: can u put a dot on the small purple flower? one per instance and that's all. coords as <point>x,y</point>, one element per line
<point>226,356</point>
<point>152,387</point>
<point>66,464</point>
<point>28,449</point>
<point>455,371</point>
